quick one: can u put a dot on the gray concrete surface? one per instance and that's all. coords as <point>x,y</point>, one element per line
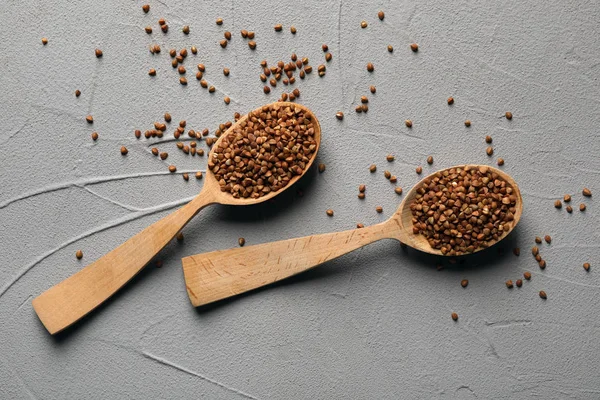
<point>374,324</point>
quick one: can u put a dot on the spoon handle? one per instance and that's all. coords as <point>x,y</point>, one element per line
<point>224,273</point>
<point>71,299</point>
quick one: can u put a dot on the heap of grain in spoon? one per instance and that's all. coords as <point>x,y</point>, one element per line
<point>263,153</point>
<point>461,210</point>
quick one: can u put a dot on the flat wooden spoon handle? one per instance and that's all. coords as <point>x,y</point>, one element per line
<point>224,273</point>
<point>73,298</point>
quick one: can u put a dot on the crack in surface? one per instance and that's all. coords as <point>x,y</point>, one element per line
<point>84,182</point>
<point>124,206</point>
<point>171,364</point>
<point>112,224</point>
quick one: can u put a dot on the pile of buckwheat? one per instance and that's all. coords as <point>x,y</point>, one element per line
<point>264,152</point>
<point>461,210</point>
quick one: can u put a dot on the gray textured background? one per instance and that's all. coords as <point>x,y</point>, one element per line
<point>372,324</point>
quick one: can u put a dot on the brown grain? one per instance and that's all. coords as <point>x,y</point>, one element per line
<point>461,210</point>
<point>251,161</point>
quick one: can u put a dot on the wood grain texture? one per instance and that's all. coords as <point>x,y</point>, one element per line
<point>220,274</point>
<point>73,298</point>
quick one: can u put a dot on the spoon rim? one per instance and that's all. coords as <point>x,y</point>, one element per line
<point>403,215</point>
<point>211,184</point>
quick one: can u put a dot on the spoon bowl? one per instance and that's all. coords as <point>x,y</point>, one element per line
<point>211,184</point>
<point>220,274</point>
<point>68,301</point>
<point>417,241</point>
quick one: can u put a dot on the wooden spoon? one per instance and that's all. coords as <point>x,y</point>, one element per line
<point>224,273</point>
<point>73,298</point>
